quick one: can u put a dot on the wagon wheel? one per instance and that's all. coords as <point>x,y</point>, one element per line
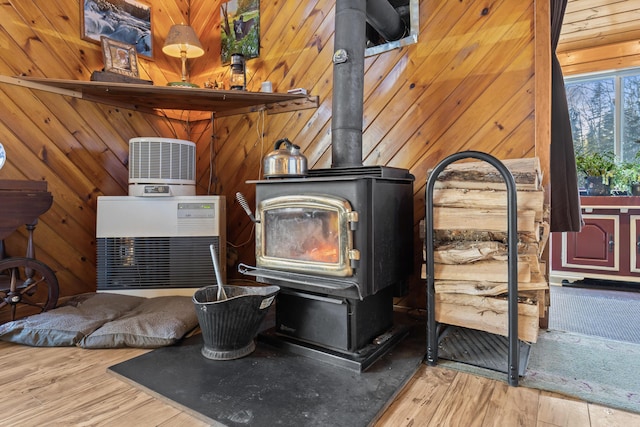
<point>27,286</point>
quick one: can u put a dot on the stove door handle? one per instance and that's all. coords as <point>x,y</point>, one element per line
<point>303,279</point>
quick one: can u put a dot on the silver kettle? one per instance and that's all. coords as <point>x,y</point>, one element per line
<point>285,162</point>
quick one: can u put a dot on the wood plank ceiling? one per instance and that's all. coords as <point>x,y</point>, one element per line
<point>599,35</point>
<point>594,23</point>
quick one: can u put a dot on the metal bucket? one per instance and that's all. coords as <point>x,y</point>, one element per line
<point>229,326</point>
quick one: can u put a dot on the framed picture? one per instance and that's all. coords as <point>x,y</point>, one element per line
<point>124,21</point>
<point>240,29</point>
<point>120,58</point>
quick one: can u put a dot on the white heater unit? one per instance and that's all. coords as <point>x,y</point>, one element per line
<point>162,167</point>
<point>153,246</point>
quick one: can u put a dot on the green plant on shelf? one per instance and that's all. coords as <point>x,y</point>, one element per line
<point>597,164</point>
<point>626,174</point>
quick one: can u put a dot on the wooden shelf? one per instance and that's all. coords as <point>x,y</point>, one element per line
<point>149,98</point>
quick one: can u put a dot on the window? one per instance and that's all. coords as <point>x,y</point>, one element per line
<point>605,113</point>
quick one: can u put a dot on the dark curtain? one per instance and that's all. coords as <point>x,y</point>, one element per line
<point>565,198</point>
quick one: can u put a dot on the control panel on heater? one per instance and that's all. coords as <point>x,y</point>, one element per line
<point>159,246</point>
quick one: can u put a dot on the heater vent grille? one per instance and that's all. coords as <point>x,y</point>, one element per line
<point>161,161</point>
<point>156,262</point>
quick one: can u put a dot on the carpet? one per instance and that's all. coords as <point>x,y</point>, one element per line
<point>273,387</point>
<point>604,313</point>
<point>593,369</point>
<point>590,368</point>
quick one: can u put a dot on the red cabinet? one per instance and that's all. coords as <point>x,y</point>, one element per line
<point>606,247</point>
<point>596,246</point>
<point>634,247</point>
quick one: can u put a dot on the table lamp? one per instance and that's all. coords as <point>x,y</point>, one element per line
<point>182,42</point>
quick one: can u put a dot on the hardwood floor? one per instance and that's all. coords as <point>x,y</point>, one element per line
<point>71,387</point>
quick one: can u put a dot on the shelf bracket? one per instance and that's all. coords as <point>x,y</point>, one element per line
<point>275,107</point>
<point>39,86</point>
<point>293,105</point>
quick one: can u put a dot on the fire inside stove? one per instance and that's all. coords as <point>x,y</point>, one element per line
<point>301,235</point>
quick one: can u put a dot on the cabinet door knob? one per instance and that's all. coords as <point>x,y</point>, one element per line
<point>611,243</point>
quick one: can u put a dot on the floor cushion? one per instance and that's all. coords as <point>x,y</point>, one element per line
<point>157,322</point>
<point>116,320</point>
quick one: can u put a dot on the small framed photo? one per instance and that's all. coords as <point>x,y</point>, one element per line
<point>119,57</point>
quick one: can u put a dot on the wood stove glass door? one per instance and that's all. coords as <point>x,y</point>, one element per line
<point>309,234</point>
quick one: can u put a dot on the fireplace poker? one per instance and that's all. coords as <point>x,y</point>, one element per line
<point>245,205</point>
<point>221,293</point>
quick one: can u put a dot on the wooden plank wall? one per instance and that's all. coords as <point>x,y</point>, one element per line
<point>80,148</point>
<point>467,84</point>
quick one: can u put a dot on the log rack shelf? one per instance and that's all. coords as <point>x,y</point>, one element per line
<point>513,355</point>
<point>149,98</point>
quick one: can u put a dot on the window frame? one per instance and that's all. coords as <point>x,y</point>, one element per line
<point>617,76</point>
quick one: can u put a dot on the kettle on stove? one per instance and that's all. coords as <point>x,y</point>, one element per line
<point>285,162</point>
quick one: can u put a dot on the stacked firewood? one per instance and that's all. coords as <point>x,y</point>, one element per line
<point>470,247</point>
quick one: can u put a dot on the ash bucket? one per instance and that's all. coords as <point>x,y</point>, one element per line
<point>230,325</point>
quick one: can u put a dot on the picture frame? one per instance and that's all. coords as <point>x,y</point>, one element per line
<point>239,29</point>
<point>120,58</point>
<point>123,21</point>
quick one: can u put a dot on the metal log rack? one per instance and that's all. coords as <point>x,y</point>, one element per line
<point>512,273</point>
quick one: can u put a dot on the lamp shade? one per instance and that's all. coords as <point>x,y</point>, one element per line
<point>182,39</point>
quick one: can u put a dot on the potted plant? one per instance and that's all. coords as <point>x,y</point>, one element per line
<point>635,188</point>
<point>626,178</point>
<point>598,168</point>
<point>635,178</point>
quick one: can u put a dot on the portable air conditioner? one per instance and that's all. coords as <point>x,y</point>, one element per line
<point>162,167</point>
<point>152,246</point>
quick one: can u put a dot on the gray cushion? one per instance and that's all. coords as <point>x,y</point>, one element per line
<point>67,325</point>
<point>157,322</point>
<point>101,320</point>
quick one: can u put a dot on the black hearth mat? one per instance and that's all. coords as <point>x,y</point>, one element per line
<point>273,387</point>
<point>480,348</point>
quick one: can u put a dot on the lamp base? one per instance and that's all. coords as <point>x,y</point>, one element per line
<point>182,84</point>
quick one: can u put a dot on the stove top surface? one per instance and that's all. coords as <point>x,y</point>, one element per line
<point>344,173</point>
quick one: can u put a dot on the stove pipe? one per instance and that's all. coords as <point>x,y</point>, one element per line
<point>348,72</point>
<point>348,83</point>
<point>383,17</point>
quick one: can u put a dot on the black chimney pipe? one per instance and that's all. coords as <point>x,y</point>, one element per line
<point>348,83</point>
<point>348,73</point>
<point>384,18</point>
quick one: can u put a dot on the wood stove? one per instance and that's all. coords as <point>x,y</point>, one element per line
<point>339,241</point>
<point>339,244</point>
